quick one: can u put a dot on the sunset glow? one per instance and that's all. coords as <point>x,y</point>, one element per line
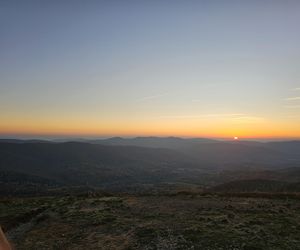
<point>113,70</point>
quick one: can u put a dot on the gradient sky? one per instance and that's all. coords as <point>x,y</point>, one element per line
<point>184,68</point>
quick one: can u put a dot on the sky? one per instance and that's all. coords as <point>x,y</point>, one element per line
<point>136,68</point>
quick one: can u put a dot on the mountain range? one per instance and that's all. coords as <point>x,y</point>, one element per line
<point>121,162</point>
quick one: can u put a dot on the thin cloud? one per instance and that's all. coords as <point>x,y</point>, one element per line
<point>180,116</point>
<point>234,115</point>
<point>249,119</point>
<point>292,106</point>
<point>293,117</point>
<point>293,98</point>
<point>296,89</point>
<point>152,97</point>
<point>225,115</point>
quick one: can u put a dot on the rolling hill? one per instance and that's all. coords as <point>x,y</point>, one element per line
<point>117,162</point>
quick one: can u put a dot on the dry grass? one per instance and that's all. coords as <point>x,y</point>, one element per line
<point>157,222</point>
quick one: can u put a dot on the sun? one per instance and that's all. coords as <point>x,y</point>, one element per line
<point>235,138</point>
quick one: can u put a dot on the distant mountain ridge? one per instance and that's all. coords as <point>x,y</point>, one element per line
<point>118,162</point>
<point>75,163</point>
<point>215,153</point>
<point>153,142</point>
<point>212,153</point>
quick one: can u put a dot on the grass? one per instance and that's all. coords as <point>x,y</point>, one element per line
<point>181,221</point>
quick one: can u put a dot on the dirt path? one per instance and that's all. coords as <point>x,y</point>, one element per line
<point>26,223</point>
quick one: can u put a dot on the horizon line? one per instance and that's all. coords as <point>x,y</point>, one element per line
<point>102,137</point>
